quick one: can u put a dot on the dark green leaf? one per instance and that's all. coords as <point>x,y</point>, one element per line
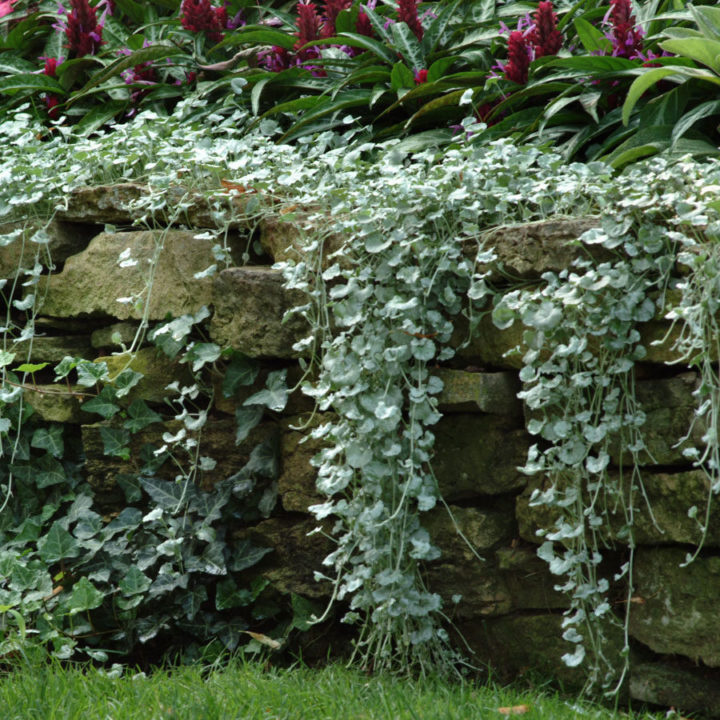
<point>58,544</point>
<point>246,418</point>
<point>275,394</point>
<point>366,43</point>
<point>401,77</point>
<point>192,601</point>
<point>241,371</point>
<point>102,404</point>
<point>228,595</point>
<point>48,471</point>
<point>50,439</point>
<point>258,35</point>
<point>592,38</point>
<point>140,416</point>
<point>134,582</point>
<point>115,441</point>
<point>84,596</point>
<point>438,26</point>
<point>167,494</point>
<point>408,46</point>
<point>128,519</point>
<point>245,555</point>
<point>17,82</point>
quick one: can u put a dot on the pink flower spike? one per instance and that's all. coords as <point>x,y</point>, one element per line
<point>6,7</point>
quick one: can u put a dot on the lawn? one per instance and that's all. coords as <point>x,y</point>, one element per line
<point>251,690</point>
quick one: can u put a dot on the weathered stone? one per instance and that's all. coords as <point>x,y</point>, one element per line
<point>55,403</point>
<point>103,203</point>
<point>298,553</point>
<point>287,237</point>
<point>250,303</point>
<point>494,393</point>
<point>674,609</point>
<point>61,239</point>
<point>688,689</point>
<point>52,348</point>
<point>114,336</point>
<point>92,281</point>
<point>157,371</point>
<point>669,407</point>
<point>489,347</point>
<point>296,483</point>
<point>218,442</point>
<point>670,496</point>
<point>119,204</point>
<point>528,250</point>
<point>478,455</point>
<point>515,644</point>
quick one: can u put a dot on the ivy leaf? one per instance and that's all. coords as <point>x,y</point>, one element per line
<point>166,494</point>
<point>246,418</point>
<point>48,471</point>
<point>134,582</point>
<point>202,353</point>
<point>50,439</point>
<point>125,381</point>
<point>212,560</point>
<point>228,595</point>
<point>244,555</point>
<point>193,600</point>
<point>102,404</point>
<point>91,373</point>
<point>115,441</point>
<point>275,394</point>
<point>84,596</point>
<point>241,371</point>
<point>58,544</point>
<point>140,416</point>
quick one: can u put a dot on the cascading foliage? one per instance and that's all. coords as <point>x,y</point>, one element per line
<point>381,309</point>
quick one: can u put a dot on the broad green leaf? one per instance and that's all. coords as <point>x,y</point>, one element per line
<point>148,54</point>
<point>246,418</point>
<point>211,562</point>
<point>275,394</point>
<point>140,416</point>
<point>48,471</point>
<point>128,519</point>
<point>408,46</point>
<point>85,596</point>
<point>166,494</point>
<point>125,381</point>
<point>437,27</point>
<point>115,441</point>
<point>58,544</point>
<point>708,20</point>
<point>192,601</point>
<point>439,67</point>
<point>134,582</point>
<point>378,24</point>
<point>241,371</point>
<point>401,77</point>
<point>99,116</point>
<point>50,439</point>
<point>6,358</point>
<point>102,404</point>
<point>10,64</point>
<point>641,84</point>
<point>700,112</point>
<point>228,595</point>
<point>702,50</point>
<point>17,82</point>
<point>244,555</point>
<point>592,38</point>
<point>91,373</point>
<point>31,367</point>
<point>203,353</point>
<point>258,35</point>
<point>361,41</point>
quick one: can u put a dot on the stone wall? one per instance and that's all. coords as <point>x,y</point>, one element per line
<point>509,613</point>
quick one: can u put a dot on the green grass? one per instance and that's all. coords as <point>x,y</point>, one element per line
<point>247,691</point>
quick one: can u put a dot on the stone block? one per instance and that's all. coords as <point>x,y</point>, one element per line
<point>478,455</point>
<point>670,496</point>
<point>528,250</point>
<point>57,403</point>
<point>688,689</point>
<point>114,336</point>
<point>92,281</point>
<point>675,608</point>
<point>298,552</point>
<point>493,393</point>
<point>60,241</point>
<point>250,303</point>
<point>52,348</point>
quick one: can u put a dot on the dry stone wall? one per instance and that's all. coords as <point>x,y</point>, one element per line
<point>509,612</point>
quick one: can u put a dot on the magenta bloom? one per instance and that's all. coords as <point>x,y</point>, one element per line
<point>421,76</point>
<point>407,13</point>
<point>308,25</point>
<point>6,7</point>
<point>545,36</point>
<point>82,29</point>
<point>516,68</point>
<point>363,26</point>
<point>200,16</point>
<point>626,38</point>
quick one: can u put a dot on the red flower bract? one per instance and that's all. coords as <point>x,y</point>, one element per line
<point>545,37</point>
<point>516,68</point>
<point>626,38</point>
<point>407,13</point>
<point>331,10</point>
<point>201,16</point>
<point>308,25</point>
<point>83,32</point>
